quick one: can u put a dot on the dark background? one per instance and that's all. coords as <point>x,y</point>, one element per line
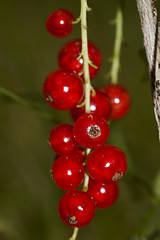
<point>28,198</point>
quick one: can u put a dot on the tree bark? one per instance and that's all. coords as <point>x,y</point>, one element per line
<point>151,32</point>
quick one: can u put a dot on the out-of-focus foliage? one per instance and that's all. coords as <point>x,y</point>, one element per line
<point>29,200</point>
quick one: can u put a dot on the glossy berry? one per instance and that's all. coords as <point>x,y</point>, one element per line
<point>63,89</point>
<point>70,52</point>
<point>62,140</point>
<point>104,194</point>
<point>79,153</point>
<point>107,163</point>
<point>76,208</point>
<point>68,172</point>
<point>91,130</point>
<point>99,104</point>
<point>59,23</point>
<point>120,100</point>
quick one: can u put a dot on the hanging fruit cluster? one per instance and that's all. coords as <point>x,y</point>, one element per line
<point>64,89</point>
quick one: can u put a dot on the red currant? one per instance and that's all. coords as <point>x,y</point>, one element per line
<point>62,140</point>
<point>107,163</point>
<point>100,104</point>
<point>63,89</point>
<point>59,23</point>
<point>80,153</point>
<point>76,208</point>
<point>120,100</point>
<point>68,172</point>
<point>91,130</point>
<point>103,194</point>
<point>70,52</point>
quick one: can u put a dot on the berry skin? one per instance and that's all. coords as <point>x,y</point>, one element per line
<point>100,104</point>
<point>103,194</point>
<point>70,52</point>
<point>120,100</point>
<point>68,172</point>
<point>63,89</point>
<point>62,140</point>
<point>79,153</point>
<point>76,208</point>
<point>91,130</point>
<point>107,163</point>
<point>59,23</point>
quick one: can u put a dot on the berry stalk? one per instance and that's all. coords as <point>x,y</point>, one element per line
<point>117,46</point>
<point>75,233</point>
<point>86,61</point>
<point>84,9</point>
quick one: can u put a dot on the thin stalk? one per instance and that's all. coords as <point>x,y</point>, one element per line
<point>84,8</point>
<point>25,103</point>
<point>75,233</point>
<point>87,85</point>
<point>86,177</point>
<point>117,46</point>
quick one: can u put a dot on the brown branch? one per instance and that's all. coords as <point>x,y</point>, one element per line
<point>151,33</point>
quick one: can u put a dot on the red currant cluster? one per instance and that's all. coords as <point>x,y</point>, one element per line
<point>106,164</point>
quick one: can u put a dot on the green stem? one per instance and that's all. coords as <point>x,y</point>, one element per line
<point>87,84</point>
<point>75,233</point>
<point>84,36</point>
<point>84,8</point>
<point>25,103</point>
<point>117,47</point>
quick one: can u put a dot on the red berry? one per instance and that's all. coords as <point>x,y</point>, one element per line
<point>100,104</point>
<point>79,153</point>
<point>107,163</point>
<point>63,89</point>
<point>62,140</point>
<point>59,23</point>
<point>120,100</point>
<point>76,208</point>
<point>103,194</point>
<point>68,172</point>
<point>91,130</point>
<point>70,52</point>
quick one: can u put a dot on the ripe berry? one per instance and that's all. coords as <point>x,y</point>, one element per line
<point>76,208</point>
<point>63,89</point>
<point>100,104</point>
<point>107,163</point>
<point>59,23</point>
<point>91,130</point>
<point>62,140</point>
<point>120,100</point>
<point>68,172</point>
<point>79,153</point>
<point>70,52</point>
<point>103,194</point>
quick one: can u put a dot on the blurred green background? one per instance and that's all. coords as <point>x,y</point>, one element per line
<point>28,198</point>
